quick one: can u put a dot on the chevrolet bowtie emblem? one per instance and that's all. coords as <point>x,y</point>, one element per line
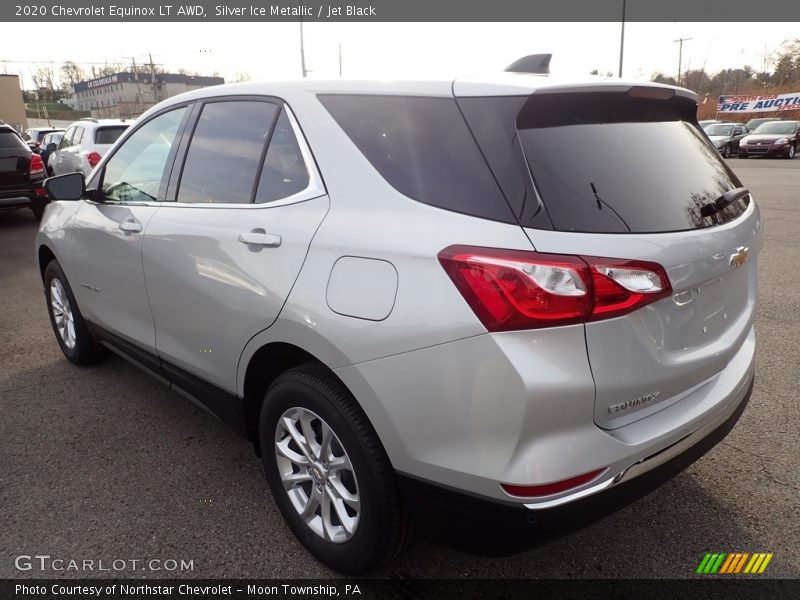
<point>739,257</point>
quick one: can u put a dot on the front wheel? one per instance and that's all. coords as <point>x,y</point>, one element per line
<point>72,333</point>
<point>329,473</point>
<point>790,154</point>
<point>726,151</point>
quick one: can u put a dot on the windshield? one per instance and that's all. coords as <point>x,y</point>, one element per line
<point>719,130</point>
<point>778,127</point>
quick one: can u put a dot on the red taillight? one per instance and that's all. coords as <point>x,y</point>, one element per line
<point>546,489</point>
<point>516,289</point>
<point>93,158</point>
<point>37,165</point>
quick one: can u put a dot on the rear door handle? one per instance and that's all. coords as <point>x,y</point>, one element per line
<point>130,226</point>
<point>260,239</point>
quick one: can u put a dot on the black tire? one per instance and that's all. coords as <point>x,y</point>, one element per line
<point>85,351</point>
<point>38,212</point>
<point>383,529</point>
<point>791,152</point>
<point>726,151</point>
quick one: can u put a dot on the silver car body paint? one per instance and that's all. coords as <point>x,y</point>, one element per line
<point>451,403</point>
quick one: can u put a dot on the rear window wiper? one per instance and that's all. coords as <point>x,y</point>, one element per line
<point>723,201</point>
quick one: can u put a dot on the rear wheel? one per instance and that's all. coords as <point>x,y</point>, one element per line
<point>72,333</point>
<point>329,473</point>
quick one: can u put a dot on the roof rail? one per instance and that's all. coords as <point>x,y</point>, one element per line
<point>533,63</point>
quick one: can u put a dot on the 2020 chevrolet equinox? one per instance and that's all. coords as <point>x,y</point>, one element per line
<point>490,288</point>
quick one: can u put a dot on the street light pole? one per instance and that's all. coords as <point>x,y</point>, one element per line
<point>302,51</point>
<point>680,41</point>
<point>622,38</point>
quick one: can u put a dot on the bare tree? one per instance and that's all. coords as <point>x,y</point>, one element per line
<point>44,81</point>
<point>105,70</point>
<point>71,73</point>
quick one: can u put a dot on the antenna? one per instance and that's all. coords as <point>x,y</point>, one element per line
<point>533,63</point>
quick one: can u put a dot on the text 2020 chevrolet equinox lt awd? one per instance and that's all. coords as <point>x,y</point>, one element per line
<point>491,288</point>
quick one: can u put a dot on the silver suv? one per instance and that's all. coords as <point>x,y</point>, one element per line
<point>83,145</point>
<point>486,290</point>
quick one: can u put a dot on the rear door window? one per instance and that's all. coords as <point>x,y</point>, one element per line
<point>423,148</point>
<point>615,163</point>
<point>225,152</point>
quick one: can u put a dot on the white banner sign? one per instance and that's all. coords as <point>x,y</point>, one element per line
<point>767,103</point>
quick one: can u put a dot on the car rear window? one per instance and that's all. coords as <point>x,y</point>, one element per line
<point>10,140</point>
<point>108,135</point>
<point>611,162</point>
<point>423,148</point>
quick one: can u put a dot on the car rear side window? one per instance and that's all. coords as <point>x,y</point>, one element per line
<point>225,152</point>
<point>615,162</point>
<point>107,135</point>
<point>423,148</point>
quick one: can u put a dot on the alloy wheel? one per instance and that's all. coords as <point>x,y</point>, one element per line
<point>62,313</point>
<point>317,475</point>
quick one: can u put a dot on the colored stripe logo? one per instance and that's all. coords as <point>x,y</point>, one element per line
<point>734,563</point>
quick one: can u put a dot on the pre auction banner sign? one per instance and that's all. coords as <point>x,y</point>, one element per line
<point>767,103</point>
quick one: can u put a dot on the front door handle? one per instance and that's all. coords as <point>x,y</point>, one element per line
<point>256,238</point>
<point>130,226</point>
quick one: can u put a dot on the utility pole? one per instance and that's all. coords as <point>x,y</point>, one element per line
<point>302,51</point>
<point>680,41</point>
<point>153,79</point>
<point>622,38</point>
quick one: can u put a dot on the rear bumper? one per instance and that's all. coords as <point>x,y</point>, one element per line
<point>20,199</point>
<point>426,499</point>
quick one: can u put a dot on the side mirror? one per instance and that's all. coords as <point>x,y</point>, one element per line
<point>51,147</point>
<point>71,186</point>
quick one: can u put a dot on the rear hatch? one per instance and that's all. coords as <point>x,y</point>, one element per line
<point>15,157</point>
<point>629,175</point>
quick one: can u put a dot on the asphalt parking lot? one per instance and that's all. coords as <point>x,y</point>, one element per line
<point>105,463</point>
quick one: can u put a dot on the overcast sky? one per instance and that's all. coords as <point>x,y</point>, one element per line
<point>395,50</point>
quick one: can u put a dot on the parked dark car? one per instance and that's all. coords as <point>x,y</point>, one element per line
<point>726,137</point>
<point>754,124</point>
<point>21,174</point>
<point>775,139</point>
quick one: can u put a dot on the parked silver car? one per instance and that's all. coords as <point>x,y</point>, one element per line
<point>488,290</point>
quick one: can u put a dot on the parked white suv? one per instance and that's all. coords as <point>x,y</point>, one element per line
<point>486,290</point>
<point>84,143</point>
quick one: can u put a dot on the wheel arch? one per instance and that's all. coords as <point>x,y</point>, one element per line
<point>44,255</point>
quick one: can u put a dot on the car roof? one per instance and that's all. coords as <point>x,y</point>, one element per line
<point>90,123</point>
<point>500,84</point>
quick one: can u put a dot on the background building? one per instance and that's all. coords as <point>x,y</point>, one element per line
<point>12,107</point>
<point>125,95</point>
